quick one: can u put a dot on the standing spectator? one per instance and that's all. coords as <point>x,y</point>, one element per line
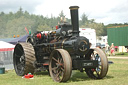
<point>116,47</point>
<point>107,47</point>
<point>112,49</point>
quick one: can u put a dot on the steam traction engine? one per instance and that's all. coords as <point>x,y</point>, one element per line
<point>60,52</point>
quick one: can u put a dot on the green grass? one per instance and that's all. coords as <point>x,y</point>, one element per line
<point>117,75</point>
<point>122,54</point>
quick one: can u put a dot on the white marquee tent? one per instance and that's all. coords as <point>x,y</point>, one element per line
<point>6,55</point>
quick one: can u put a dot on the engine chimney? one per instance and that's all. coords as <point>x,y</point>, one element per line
<point>74,20</point>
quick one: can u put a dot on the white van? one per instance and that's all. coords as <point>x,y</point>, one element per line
<point>89,34</point>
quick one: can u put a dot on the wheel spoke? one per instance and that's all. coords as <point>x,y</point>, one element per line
<point>21,70</point>
<point>62,69</point>
<point>100,67</point>
<point>55,59</point>
<point>55,68</point>
<point>19,66</point>
<point>97,73</point>
<point>61,60</point>
<point>57,62</point>
<point>57,75</point>
<point>23,57</point>
<point>22,63</point>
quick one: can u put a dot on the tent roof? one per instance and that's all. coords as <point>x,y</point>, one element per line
<point>20,39</point>
<point>6,39</point>
<point>4,46</point>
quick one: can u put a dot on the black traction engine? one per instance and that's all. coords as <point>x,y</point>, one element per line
<point>59,52</point>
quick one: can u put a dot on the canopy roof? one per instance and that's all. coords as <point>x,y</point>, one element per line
<point>4,46</point>
<point>20,39</point>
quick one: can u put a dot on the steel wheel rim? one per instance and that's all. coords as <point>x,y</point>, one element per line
<point>19,60</point>
<point>60,66</point>
<point>101,70</point>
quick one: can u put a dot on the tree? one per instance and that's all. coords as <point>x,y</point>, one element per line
<point>84,19</point>
<point>61,14</point>
<point>19,13</point>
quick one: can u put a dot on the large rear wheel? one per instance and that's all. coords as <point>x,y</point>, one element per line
<point>23,59</point>
<point>102,69</point>
<point>60,66</point>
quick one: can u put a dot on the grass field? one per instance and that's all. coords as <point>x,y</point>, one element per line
<point>117,75</point>
<point>122,54</point>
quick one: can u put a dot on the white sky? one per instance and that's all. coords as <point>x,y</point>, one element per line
<point>104,11</point>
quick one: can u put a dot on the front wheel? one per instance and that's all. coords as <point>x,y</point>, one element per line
<point>60,66</point>
<point>101,70</point>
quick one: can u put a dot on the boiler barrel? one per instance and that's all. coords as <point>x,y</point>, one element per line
<point>75,46</point>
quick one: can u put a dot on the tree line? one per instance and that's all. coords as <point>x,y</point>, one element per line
<point>15,23</point>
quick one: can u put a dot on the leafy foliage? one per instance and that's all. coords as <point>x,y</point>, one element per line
<point>15,23</point>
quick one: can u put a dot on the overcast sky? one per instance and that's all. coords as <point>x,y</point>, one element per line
<point>104,11</point>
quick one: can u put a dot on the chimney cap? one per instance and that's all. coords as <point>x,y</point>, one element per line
<point>73,7</point>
